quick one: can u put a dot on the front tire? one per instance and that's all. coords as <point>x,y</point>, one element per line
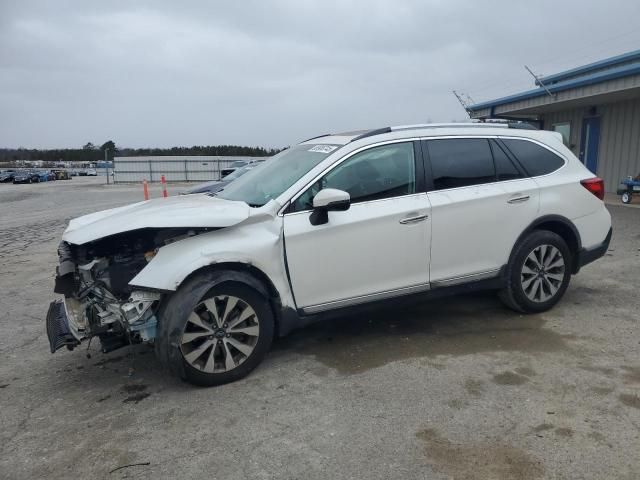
<point>538,273</point>
<point>626,197</point>
<point>214,334</point>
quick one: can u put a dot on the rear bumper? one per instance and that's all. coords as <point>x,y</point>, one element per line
<point>587,255</point>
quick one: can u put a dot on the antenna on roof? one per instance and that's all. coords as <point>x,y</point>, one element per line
<point>540,82</point>
<point>465,100</point>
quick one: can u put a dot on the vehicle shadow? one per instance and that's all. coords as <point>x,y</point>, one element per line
<point>349,344</point>
<point>453,326</point>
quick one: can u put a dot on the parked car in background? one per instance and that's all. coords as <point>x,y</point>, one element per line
<point>26,176</point>
<point>217,185</point>
<point>7,176</point>
<point>43,176</point>
<point>92,172</point>
<point>82,173</point>
<point>335,222</point>
<point>234,166</point>
<point>51,176</point>
<point>62,174</point>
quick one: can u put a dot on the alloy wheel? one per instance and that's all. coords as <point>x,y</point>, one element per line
<point>542,273</point>
<point>220,334</point>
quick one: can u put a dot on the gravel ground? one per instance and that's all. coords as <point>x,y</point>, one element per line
<point>459,388</point>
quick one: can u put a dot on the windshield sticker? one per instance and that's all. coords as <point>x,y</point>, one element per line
<point>323,148</point>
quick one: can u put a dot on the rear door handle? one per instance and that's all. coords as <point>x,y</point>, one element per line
<point>416,219</point>
<point>518,199</point>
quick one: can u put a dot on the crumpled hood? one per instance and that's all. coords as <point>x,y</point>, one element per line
<point>173,212</point>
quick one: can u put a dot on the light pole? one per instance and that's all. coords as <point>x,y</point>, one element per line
<point>106,162</point>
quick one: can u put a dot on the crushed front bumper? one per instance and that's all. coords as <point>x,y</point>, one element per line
<point>58,329</point>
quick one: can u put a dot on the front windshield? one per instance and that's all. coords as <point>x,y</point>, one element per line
<point>277,174</point>
<point>240,171</point>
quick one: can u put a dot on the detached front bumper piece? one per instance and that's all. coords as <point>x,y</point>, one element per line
<point>58,327</point>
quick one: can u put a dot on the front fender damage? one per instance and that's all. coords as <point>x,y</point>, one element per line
<point>114,287</point>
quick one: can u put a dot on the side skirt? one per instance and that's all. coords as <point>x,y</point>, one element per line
<point>292,320</point>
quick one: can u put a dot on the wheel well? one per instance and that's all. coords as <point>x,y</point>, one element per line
<point>245,268</point>
<point>567,233</point>
<point>253,277</point>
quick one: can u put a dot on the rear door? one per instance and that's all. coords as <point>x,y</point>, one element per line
<point>480,203</point>
<point>378,248</point>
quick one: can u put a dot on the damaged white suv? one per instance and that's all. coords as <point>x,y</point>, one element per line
<point>334,222</point>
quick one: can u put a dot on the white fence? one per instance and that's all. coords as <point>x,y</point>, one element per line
<point>174,168</point>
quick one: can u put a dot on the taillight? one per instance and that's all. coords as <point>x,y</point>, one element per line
<point>594,185</point>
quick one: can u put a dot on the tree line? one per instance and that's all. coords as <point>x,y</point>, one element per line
<point>93,153</point>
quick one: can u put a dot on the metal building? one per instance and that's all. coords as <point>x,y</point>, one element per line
<point>193,168</point>
<point>596,107</point>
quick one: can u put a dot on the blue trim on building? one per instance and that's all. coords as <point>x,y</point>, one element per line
<point>598,77</point>
<point>607,62</point>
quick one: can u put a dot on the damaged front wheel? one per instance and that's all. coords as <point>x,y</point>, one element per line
<point>215,335</point>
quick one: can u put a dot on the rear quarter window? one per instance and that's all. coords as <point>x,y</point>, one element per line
<point>534,158</point>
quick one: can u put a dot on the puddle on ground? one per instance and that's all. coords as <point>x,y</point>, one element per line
<point>631,374</point>
<point>543,427</point>
<point>509,378</point>
<point>565,432</point>
<point>133,388</point>
<point>136,398</point>
<point>630,400</point>
<point>478,461</point>
<point>454,326</point>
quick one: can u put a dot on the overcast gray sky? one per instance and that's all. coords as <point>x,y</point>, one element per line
<point>270,73</point>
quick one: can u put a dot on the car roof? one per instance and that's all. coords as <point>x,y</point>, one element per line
<point>516,129</point>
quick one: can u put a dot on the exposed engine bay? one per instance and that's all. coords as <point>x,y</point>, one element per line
<point>98,300</point>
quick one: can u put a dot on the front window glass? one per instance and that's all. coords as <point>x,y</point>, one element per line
<point>380,172</point>
<point>260,185</point>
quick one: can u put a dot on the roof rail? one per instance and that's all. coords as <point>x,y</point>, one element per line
<point>370,133</point>
<point>317,136</point>
<point>491,124</point>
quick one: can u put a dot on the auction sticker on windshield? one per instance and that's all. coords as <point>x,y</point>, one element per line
<point>323,148</point>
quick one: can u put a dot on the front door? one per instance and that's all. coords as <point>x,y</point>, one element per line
<point>377,248</point>
<point>590,143</point>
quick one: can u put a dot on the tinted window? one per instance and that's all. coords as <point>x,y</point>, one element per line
<point>460,162</point>
<point>535,159</point>
<point>505,169</point>
<point>380,172</point>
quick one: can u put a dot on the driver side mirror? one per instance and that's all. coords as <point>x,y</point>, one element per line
<point>328,200</point>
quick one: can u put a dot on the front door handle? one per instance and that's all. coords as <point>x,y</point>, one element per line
<point>416,219</point>
<point>519,199</point>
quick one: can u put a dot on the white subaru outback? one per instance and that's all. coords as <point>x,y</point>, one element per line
<point>334,222</point>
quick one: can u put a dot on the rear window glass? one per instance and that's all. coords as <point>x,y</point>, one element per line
<point>460,162</point>
<point>535,159</point>
<point>505,169</point>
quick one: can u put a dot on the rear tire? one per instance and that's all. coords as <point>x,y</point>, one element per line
<point>538,273</point>
<point>214,333</point>
<point>626,198</point>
